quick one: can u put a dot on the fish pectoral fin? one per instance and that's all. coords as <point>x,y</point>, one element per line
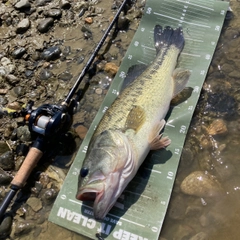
<point>155,139</point>
<point>135,118</point>
<point>180,77</point>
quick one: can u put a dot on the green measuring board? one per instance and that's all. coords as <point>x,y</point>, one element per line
<point>139,213</point>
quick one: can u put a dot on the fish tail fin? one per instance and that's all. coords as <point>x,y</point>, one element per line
<point>167,36</point>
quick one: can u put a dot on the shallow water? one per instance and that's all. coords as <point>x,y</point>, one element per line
<point>216,217</point>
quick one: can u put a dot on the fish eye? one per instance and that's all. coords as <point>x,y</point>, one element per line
<point>84,172</point>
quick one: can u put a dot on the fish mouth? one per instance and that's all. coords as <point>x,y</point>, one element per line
<point>102,193</point>
<point>95,194</point>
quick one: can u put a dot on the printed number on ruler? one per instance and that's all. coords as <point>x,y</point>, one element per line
<point>183,129</point>
<point>85,149</point>
<point>177,151</point>
<point>170,175</point>
<point>149,10</point>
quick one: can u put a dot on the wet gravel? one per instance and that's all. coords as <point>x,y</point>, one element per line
<point>43,47</point>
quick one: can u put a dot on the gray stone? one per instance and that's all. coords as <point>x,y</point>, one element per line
<point>22,4</point>
<point>23,26</point>
<point>44,25</point>
<point>7,160</point>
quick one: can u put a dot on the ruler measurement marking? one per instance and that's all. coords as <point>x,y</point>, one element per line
<point>182,21</point>
<point>196,5</point>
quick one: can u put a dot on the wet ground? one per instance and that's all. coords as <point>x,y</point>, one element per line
<point>44,46</point>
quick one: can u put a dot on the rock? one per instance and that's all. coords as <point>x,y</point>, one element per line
<point>41,2</point>
<point>3,147</point>
<point>15,105</point>
<point>23,227</point>
<point>54,13</point>
<point>34,203</point>
<point>23,133</point>
<point>98,91</point>
<point>7,161</point>
<point>217,127</point>
<point>89,20</point>
<point>5,227</point>
<point>7,66</point>
<point>4,177</point>
<point>45,74</point>
<point>49,195</point>
<point>12,79</point>
<point>18,53</point>
<point>23,26</point>
<point>65,4</point>
<point>201,184</point>
<point>111,68</point>
<point>22,4</point>
<point>200,236</point>
<point>44,25</point>
<point>51,53</point>
<point>81,131</point>
<point>65,76</point>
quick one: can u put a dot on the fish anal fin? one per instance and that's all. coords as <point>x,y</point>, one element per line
<point>155,139</point>
<point>135,118</point>
<point>180,78</point>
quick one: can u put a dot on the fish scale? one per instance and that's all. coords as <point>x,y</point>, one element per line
<point>151,94</point>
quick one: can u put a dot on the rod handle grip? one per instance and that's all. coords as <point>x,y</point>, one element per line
<point>30,162</point>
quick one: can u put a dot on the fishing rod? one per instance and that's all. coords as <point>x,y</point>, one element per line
<point>47,121</point>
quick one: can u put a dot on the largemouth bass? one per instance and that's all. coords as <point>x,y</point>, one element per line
<point>131,127</point>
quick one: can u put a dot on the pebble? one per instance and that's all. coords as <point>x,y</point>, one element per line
<point>23,227</point>
<point>23,133</point>
<point>111,68</point>
<point>12,79</point>
<point>19,52</point>
<point>201,184</point>
<point>8,131</point>
<point>5,227</point>
<point>4,177</point>
<point>22,4</point>
<point>81,131</point>
<point>34,203</point>
<point>98,91</point>
<point>42,2</point>
<point>45,74</point>
<point>200,236</point>
<point>217,127</point>
<point>44,25</point>
<point>14,105</point>
<point>23,26</point>
<point>89,20</point>
<point>3,147</point>
<point>17,92</point>
<point>51,53</point>
<point>65,4</point>
<point>49,195</point>
<point>65,76</point>
<point>54,13</point>
<point>7,161</point>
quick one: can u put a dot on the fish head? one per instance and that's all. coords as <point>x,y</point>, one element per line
<point>106,170</point>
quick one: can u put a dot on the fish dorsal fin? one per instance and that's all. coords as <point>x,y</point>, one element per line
<point>180,78</point>
<point>133,72</point>
<point>135,118</point>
